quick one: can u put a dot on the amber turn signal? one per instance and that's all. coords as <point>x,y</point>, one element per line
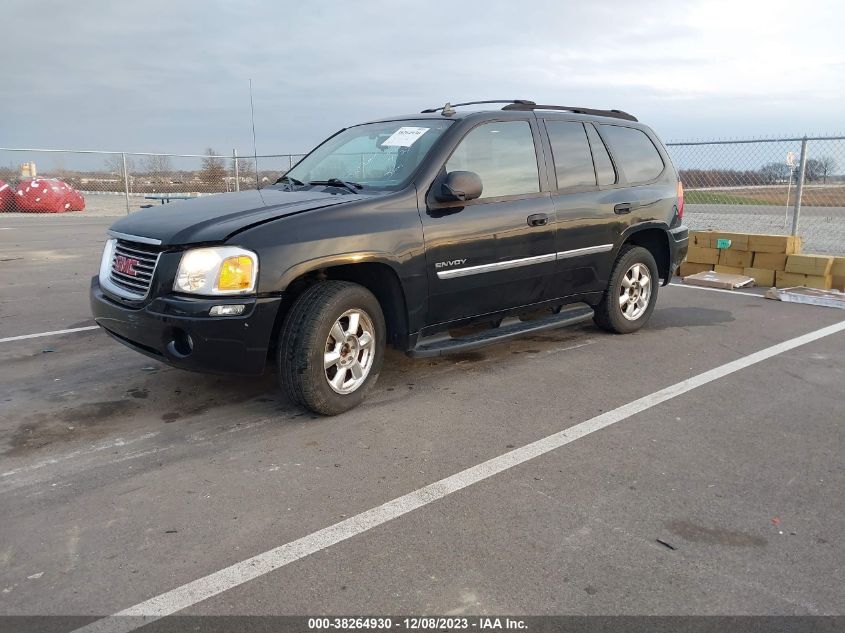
<point>236,273</point>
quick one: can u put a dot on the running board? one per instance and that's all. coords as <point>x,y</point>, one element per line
<point>440,345</point>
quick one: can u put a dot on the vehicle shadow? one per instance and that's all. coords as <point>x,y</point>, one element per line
<point>683,317</point>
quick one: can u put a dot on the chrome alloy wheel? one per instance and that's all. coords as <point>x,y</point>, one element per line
<point>635,292</point>
<point>350,350</point>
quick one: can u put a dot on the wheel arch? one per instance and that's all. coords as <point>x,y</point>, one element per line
<point>653,238</point>
<point>373,273</point>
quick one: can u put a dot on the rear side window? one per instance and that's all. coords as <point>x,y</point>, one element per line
<point>634,152</point>
<point>605,172</point>
<point>502,154</point>
<point>571,153</point>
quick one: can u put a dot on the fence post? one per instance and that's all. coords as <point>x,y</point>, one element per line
<point>802,169</point>
<point>237,173</point>
<point>125,181</point>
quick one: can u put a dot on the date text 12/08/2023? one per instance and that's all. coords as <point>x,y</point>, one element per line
<point>415,623</point>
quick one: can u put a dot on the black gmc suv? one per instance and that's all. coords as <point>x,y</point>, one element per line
<point>402,231</point>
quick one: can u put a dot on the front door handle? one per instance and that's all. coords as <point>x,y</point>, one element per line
<point>538,219</point>
<point>622,208</point>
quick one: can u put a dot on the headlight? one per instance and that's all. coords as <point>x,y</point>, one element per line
<point>105,263</point>
<point>220,270</point>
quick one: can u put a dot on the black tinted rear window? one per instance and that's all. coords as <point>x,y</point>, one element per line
<point>605,172</point>
<point>571,153</point>
<point>634,152</point>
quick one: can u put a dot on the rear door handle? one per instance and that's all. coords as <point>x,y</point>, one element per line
<point>622,208</point>
<point>538,219</point>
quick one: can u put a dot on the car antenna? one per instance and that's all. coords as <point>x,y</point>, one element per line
<point>254,144</point>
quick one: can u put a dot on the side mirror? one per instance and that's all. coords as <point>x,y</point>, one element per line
<point>458,186</point>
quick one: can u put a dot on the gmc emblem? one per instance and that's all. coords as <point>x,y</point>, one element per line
<point>125,265</point>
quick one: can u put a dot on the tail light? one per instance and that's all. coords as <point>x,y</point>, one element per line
<point>680,200</point>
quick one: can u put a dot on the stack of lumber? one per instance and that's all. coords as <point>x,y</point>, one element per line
<point>772,260</point>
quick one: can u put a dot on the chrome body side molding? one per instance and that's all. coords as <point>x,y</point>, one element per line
<point>524,261</point>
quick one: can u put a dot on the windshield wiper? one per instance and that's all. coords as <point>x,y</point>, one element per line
<point>292,181</point>
<point>337,182</point>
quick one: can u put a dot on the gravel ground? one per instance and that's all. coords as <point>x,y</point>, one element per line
<point>823,228</point>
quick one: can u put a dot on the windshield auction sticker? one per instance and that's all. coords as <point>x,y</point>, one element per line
<point>405,136</point>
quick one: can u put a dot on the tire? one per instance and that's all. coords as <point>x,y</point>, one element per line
<point>308,339</point>
<point>609,313</point>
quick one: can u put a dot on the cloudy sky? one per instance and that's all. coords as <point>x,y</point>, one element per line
<point>171,75</point>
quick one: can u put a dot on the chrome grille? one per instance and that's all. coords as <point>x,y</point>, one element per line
<point>143,259</point>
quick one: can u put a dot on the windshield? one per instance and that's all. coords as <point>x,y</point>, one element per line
<point>375,155</point>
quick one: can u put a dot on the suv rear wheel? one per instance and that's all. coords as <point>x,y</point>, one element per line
<point>631,294</point>
<point>331,347</point>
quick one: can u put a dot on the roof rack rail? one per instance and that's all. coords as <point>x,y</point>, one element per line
<point>616,114</point>
<point>448,108</point>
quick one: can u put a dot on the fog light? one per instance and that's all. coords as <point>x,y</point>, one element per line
<point>227,310</point>
<point>182,344</point>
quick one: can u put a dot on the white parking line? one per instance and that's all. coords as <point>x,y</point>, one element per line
<point>203,588</point>
<point>730,292</point>
<point>9,339</point>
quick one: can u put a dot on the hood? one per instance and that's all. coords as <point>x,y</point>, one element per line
<point>214,218</point>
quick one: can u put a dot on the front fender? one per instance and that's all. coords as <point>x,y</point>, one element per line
<point>337,259</point>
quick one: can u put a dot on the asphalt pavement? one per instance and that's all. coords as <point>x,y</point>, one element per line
<point>123,480</point>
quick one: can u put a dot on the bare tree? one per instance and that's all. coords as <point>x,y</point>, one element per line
<point>213,170</point>
<point>774,173</point>
<point>157,167</point>
<point>10,173</point>
<point>826,166</point>
<point>114,165</point>
<point>811,171</point>
<point>246,170</point>
<point>59,169</point>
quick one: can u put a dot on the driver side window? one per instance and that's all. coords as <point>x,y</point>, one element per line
<point>502,154</point>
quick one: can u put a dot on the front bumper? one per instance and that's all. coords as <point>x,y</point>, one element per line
<point>678,245</point>
<point>177,330</point>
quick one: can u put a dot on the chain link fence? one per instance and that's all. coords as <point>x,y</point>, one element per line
<point>775,185</point>
<point>116,183</point>
<point>779,185</point>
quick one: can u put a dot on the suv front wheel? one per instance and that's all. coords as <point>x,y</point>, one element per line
<point>331,347</point>
<point>631,294</point>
